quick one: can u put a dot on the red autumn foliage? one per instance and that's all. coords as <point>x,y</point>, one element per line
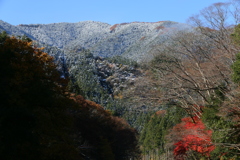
<point>159,27</point>
<point>123,23</point>
<point>142,38</point>
<point>192,135</point>
<point>113,27</point>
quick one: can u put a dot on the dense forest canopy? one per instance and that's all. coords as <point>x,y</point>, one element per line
<point>179,103</point>
<point>41,120</point>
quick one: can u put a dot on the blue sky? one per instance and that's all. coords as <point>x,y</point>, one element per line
<point>52,11</point>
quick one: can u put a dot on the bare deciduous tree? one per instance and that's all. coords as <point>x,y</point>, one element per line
<point>197,62</point>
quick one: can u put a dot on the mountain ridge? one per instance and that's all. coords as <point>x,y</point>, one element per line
<point>132,40</point>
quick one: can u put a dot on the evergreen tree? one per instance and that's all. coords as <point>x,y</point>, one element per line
<point>154,134</point>
<point>236,70</point>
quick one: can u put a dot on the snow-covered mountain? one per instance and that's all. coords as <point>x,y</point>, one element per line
<point>131,40</point>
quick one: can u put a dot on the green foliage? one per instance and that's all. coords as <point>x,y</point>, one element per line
<point>236,65</point>
<point>221,131</point>
<point>122,60</point>
<point>153,136</point>
<point>84,80</point>
<point>25,38</point>
<point>220,126</point>
<point>3,36</point>
<point>236,70</point>
<point>136,118</point>
<point>236,35</point>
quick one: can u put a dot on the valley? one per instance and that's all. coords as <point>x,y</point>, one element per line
<point>153,91</point>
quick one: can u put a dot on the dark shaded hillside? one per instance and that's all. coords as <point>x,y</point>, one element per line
<point>41,120</point>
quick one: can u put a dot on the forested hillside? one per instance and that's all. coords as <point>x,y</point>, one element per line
<point>198,72</point>
<point>151,91</point>
<point>40,119</point>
